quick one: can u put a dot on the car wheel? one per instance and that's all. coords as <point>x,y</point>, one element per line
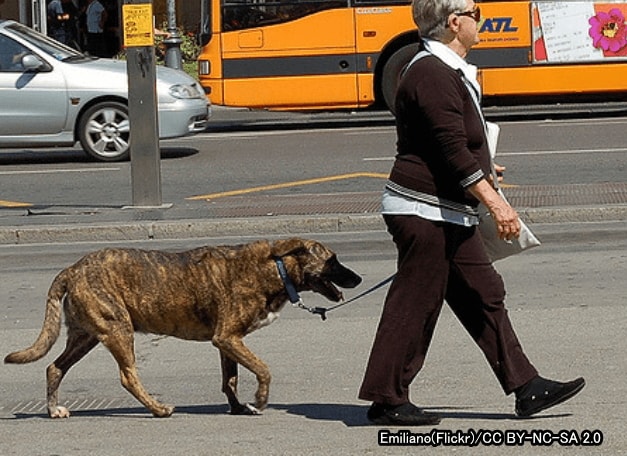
<point>392,72</point>
<point>104,131</point>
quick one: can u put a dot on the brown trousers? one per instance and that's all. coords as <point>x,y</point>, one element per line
<point>437,262</point>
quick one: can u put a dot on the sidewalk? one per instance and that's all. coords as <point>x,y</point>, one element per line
<point>317,368</point>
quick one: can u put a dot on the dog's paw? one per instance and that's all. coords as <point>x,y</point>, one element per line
<point>245,409</point>
<point>59,412</point>
<point>253,410</point>
<point>163,412</point>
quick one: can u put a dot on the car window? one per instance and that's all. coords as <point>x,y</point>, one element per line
<point>57,50</point>
<point>11,53</point>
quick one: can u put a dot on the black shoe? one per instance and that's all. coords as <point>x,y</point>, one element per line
<point>540,394</point>
<point>405,414</point>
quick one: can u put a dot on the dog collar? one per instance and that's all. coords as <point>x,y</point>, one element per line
<point>293,294</point>
<point>287,282</point>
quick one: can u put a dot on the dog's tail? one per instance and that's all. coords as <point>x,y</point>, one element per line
<point>51,327</point>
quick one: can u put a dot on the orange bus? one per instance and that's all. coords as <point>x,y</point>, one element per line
<point>331,54</point>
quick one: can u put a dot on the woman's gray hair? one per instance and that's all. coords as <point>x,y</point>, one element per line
<point>431,15</point>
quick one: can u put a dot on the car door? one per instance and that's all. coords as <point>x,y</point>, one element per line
<point>33,102</point>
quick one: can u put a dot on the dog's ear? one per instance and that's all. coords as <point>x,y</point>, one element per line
<point>286,247</point>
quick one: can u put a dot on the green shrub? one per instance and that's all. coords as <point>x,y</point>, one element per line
<point>189,51</point>
<point>189,47</point>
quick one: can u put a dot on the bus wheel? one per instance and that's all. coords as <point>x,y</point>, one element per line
<point>392,72</point>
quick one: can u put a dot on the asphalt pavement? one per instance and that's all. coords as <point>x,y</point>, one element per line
<point>331,213</point>
<point>575,326</point>
<point>566,301</point>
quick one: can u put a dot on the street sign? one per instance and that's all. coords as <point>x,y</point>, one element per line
<point>138,29</point>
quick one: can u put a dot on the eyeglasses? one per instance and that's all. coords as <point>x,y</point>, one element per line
<point>474,14</point>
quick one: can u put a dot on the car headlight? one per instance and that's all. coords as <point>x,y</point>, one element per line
<point>186,91</point>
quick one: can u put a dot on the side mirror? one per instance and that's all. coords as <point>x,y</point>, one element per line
<point>31,62</point>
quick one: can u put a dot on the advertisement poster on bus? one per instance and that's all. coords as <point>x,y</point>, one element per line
<point>579,31</point>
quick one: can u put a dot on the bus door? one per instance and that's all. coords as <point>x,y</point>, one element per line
<point>380,30</point>
<point>291,54</point>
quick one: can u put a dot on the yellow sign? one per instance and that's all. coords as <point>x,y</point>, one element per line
<point>138,29</point>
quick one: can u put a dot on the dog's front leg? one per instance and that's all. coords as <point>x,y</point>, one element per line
<point>233,348</point>
<point>229,387</point>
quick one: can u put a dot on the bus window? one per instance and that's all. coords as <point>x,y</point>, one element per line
<point>328,54</point>
<point>238,15</point>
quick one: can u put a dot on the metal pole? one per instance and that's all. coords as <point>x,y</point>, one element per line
<point>173,42</point>
<point>144,140</point>
<point>142,103</point>
<point>23,10</point>
<point>38,16</point>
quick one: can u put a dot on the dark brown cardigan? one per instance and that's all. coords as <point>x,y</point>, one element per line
<point>441,144</point>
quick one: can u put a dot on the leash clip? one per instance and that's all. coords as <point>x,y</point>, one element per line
<point>322,311</point>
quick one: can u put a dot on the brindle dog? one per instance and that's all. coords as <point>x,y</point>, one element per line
<point>209,293</point>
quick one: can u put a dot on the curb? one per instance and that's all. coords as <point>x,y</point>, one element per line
<point>184,229</point>
<point>573,214</point>
<point>262,226</point>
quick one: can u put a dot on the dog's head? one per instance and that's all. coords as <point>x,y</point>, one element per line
<point>315,267</point>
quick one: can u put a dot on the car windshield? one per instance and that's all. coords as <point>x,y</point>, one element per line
<point>58,50</point>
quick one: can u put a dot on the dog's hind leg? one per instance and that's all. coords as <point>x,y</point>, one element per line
<point>77,346</point>
<point>119,340</point>
<point>233,347</point>
<point>229,387</point>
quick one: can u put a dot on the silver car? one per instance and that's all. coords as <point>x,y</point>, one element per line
<point>53,95</point>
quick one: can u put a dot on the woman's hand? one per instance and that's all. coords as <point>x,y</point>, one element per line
<point>504,216</point>
<point>506,220</point>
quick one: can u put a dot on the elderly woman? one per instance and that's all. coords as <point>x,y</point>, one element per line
<point>441,173</point>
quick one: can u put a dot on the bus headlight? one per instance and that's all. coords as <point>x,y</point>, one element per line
<point>185,91</point>
<point>204,67</point>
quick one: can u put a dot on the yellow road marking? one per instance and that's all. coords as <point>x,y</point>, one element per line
<point>14,204</point>
<point>263,188</point>
<point>319,180</point>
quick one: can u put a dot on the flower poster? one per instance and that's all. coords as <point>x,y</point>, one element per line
<point>579,31</point>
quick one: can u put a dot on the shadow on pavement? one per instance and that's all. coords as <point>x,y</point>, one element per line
<point>349,414</point>
<point>63,155</point>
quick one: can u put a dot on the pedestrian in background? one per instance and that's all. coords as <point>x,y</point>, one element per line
<point>112,28</point>
<point>62,18</point>
<point>95,19</point>
<point>441,172</point>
